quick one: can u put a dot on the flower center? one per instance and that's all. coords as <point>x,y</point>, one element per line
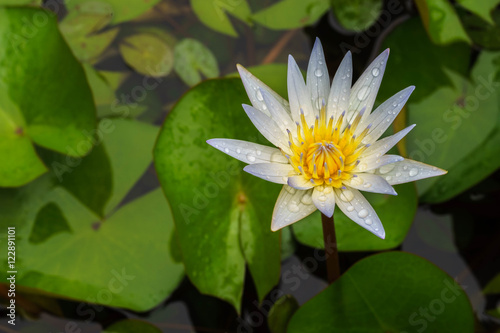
<point>325,153</point>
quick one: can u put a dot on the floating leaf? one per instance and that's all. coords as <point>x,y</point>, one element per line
<point>81,31</point>
<point>460,116</point>
<point>281,313</point>
<point>56,119</point>
<point>214,13</point>
<point>388,292</point>
<point>408,65</point>
<point>190,58</point>
<point>441,21</point>
<point>121,10</point>
<point>54,223</point>
<point>481,8</point>
<point>222,214</point>
<point>356,15</point>
<point>291,14</point>
<point>395,212</point>
<point>148,54</point>
<point>482,33</point>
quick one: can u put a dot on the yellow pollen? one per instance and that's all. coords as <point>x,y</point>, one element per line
<point>322,153</point>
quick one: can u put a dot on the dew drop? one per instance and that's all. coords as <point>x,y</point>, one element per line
<point>388,178</point>
<point>293,207</point>
<point>346,195</point>
<point>368,221</point>
<point>375,72</point>
<point>367,185</point>
<point>250,158</point>
<point>363,213</point>
<point>362,166</point>
<point>226,150</point>
<point>318,72</point>
<point>398,174</point>
<point>258,152</point>
<point>413,172</point>
<point>290,190</point>
<point>258,95</point>
<point>238,150</point>
<point>350,208</point>
<point>386,168</point>
<point>363,93</point>
<point>306,199</point>
<point>327,190</point>
<point>322,197</point>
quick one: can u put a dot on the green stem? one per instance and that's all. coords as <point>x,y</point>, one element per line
<point>331,250</point>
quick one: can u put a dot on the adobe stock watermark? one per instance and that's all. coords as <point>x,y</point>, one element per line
<point>116,285</point>
<point>121,107</point>
<point>455,116</point>
<point>428,313</point>
<point>292,278</point>
<point>363,38</point>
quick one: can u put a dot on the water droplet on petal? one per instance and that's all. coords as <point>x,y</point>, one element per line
<point>363,213</point>
<point>388,178</point>
<point>226,150</point>
<point>346,195</point>
<point>350,208</point>
<point>238,150</point>
<point>290,190</point>
<point>368,221</point>
<point>386,168</point>
<point>367,185</point>
<point>375,71</point>
<point>258,95</point>
<point>250,158</point>
<point>306,199</point>
<point>293,207</point>
<point>318,72</point>
<point>413,172</point>
<point>363,93</point>
<point>258,152</point>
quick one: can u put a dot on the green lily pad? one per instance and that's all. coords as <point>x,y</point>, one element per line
<point>441,21</point>
<point>388,292</point>
<point>291,14</point>
<point>214,14</point>
<point>82,32</point>
<point>132,326</point>
<point>71,252</point>
<point>395,212</point>
<point>56,119</point>
<point>121,10</point>
<point>481,8</point>
<point>148,54</point>
<point>481,32</point>
<point>408,65</point>
<point>192,57</point>
<point>452,124</point>
<point>222,214</point>
<point>281,313</point>
<point>356,15</point>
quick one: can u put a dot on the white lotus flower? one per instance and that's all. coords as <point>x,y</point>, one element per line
<point>327,141</point>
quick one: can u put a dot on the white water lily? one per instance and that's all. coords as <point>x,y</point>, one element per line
<point>326,139</point>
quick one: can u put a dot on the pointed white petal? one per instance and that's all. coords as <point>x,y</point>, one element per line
<point>278,112</point>
<point>253,86</point>
<point>354,205</point>
<point>298,95</point>
<point>299,182</point>
<point>272,172</point>
<point>381,147</point>
<point>364,91</point>
<point>268,127</point>
<point>373,162</point>
<point>318,79</point>
<point>408,171</point>
<point>324,199</point>
<point>384,115</point>
<point>248,152</point>
<point>338,100</point>
<point>370,183</point>
<point>292,205</point>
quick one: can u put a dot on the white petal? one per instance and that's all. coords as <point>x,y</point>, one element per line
<point>278,112</point>
<point>384,115</point>
<point>324,199</point>
<point>373,162</point>
<point>273,172</point>
<point>253,86</point>
<point>298,95</point>
<point>364,91</point>
<point>381,147</point>
<point>408,171</point>
<point>355,206</point>
<point>299,182</point>
<point>248,152</point>
<point>318,79</point>
<point>268,127</point>
<point>370,183</point>
<point>292,205</point>
<point>338,100</point>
